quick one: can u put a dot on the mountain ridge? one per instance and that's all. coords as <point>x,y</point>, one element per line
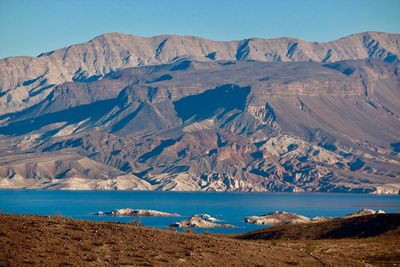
<point>202,38</point>
<point>113,51</point>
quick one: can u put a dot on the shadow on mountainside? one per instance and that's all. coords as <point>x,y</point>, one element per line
<point>204,105</point>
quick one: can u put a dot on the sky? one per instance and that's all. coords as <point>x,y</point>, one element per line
<point>31,27</point>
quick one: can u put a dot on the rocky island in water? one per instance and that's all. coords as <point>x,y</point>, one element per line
<point>201,221</point>
<point>283,217</point>
<point>136,213</point>
<point>277,217</point>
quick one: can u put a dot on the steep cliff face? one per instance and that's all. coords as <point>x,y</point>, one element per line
<point>27,80</point>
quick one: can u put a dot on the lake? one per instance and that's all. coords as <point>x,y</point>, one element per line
<point>229,207</point>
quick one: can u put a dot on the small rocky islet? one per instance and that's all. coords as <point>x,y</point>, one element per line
<point>207,221</point>
<point>283,217</point>
<point>136,213</point>
<point>195,221</point>
<point>363,212</point>
<point>277,217</point>
<point>201,221</point>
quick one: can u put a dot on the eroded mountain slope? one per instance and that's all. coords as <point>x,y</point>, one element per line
<point>221,125</point>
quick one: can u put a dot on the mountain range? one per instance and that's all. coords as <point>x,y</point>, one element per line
<point>185,113</point>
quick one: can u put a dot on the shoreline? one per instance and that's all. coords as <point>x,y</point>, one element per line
<point>205,192</point>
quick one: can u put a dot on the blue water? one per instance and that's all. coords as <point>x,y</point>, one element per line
<point>230,207</point>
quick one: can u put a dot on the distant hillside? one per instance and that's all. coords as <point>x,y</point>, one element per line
<point>167,113</point>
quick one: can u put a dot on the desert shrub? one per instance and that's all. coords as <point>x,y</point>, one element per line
<point>188,230</point>
<point>137,223</point>
<point>207,232</point>
<point>171,228</point>
<point>310,248</point>
<point>76,238</point>
<point>292,262</point>
<point>98,243</point>
<point>90,258</point>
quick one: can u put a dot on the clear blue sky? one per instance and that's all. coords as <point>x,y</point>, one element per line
<point>32,27</point>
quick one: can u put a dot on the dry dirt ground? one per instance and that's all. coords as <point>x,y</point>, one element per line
<point>57,241</point>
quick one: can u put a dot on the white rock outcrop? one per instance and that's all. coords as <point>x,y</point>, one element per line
<point>277,217</point>
<point>137,213</point>
<point>364,212</point>
<point>201,221</point>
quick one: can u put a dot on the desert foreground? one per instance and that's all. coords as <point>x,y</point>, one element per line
<point>53,241</point>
